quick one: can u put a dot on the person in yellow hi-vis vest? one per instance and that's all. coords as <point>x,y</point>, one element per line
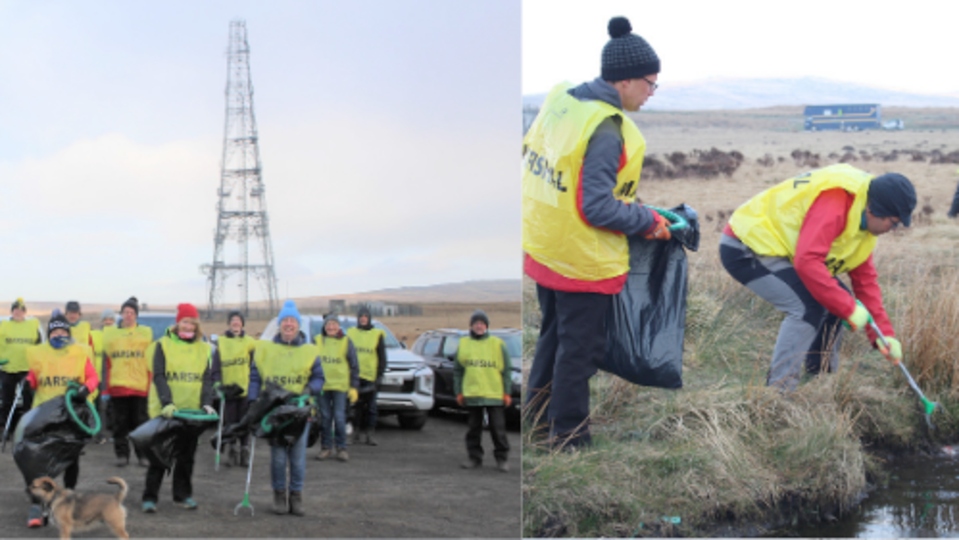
<point>16,334</point>
<point>292,362</point>
<point>342,373</point>
<point>582,159</point>
<point>790,243</point>
<point>482,382</point>
<point>126,374</point>
<point>52,366</point>
<point>182,379</point>
<point>107,319</point>
<point>232,358</point>
<point>370,344</point>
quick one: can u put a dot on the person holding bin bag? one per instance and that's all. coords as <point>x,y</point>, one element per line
<point>51,368</point>
<point>182,380</point>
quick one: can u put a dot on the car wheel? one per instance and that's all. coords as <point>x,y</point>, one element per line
<point>412,420</point>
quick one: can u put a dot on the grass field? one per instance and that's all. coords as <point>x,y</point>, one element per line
<point>726,455</point>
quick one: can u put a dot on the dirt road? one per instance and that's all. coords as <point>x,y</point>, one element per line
<point>410,485</point>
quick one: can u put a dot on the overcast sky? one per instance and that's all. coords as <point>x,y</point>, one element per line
<point>902,46</point>
<point>389,134</point>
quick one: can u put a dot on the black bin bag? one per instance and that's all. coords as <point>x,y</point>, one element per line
<point>156,438</point>
<point>47,440</point>
<point>285,419</point>
<point>647,321</point>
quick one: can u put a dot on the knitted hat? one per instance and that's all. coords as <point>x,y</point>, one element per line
<point>184,311</point>
<point>330,317</point>
<point>235,314</point>
<point>892,195</point>
<point>18,303</point>
<point>108,314</point>
<point>58,321</point>
<point>626,55</point>
<point>289,310</point>
<point>133,303</point>
<point>479,315</point>
<point>72,307</point>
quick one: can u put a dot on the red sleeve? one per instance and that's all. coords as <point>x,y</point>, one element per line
<point>865,283</point>
<point>824,222</point>
<point>92,379</point>
<point>32,379</point>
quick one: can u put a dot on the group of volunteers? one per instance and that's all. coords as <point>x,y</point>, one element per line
<point>120,367</point>
<point>582,159</point>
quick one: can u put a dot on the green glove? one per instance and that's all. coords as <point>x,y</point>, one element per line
<point>168,410</point>
<point>860,317</point>
<point>893,353</point>
<point>352,395</point>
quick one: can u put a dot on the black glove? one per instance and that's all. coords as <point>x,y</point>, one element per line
<point>81,394</point>
<point>231,391</point>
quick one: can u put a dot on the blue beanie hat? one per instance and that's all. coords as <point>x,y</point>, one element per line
<point>289,310</point>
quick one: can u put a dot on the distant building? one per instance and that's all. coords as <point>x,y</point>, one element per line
<point>849,117</point>
<point>338,306</point>
<point>384,309</point>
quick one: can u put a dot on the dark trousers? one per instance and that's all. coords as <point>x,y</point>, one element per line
<point>71,474</point>
<point>9,382</point>
<point>497,430</point>
<point>184,451</point>
<point>128,413</point>
<point>364,411</point>
<point>233,410</point>
<point>954,209</point>
<point>572,343</point>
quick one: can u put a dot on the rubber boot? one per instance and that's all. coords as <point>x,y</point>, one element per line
<point>296,503</point>
<point>279,502</point>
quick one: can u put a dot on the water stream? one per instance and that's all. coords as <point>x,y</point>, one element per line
<point>921,501</point>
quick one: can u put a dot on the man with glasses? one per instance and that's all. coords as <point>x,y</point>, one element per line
<point>789,243</point>
<point>582,159</point>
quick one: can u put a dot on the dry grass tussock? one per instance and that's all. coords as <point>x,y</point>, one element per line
<point>726,449</point>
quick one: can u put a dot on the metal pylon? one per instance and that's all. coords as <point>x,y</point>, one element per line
<point>241,206</point>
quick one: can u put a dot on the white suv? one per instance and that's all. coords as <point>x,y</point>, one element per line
<point>407,386</point>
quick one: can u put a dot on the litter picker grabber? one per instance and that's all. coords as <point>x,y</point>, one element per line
<point>245,503</point>
<point>928,406</point>
<point>219,432</point>
<point>13,408</point>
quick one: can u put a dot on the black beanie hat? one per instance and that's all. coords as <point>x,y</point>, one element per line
<point>58,321</point>
<point>479,315</point>
<point>73,306</point>
<point>626,55</point>
<point>892,195</point>
<point>133,303</point>
<point>235,314</point>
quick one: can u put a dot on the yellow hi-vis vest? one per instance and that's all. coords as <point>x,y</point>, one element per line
<point>769,223</point>
<point>80,333</point>
<point>127,349</point>
<point>55,368</point>
<point>185,364</point>
<point>286,365</point>
<point>365,342</point>
<point>15,338</point>
<point>336,367</point>
<point>235,360</point>
<point>554,233</point>
<point>483,363</point>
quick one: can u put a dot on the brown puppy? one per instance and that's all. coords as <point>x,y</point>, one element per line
<point>75,512</point>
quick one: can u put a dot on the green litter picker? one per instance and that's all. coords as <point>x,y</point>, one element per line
<point>928,406</point>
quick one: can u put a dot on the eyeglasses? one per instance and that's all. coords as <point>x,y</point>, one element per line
<point>652,86</point>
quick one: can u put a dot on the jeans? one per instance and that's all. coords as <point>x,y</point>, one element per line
<point>333,411</point>
<point>293,457</point>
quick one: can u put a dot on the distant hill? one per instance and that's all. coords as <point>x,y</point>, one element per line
<point>479,292</point>
<point>715,94</point>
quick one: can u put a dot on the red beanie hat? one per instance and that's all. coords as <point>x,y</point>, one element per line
<point>186,310</point>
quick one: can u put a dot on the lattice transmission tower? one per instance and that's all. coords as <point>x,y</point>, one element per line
<point>241,208</point>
